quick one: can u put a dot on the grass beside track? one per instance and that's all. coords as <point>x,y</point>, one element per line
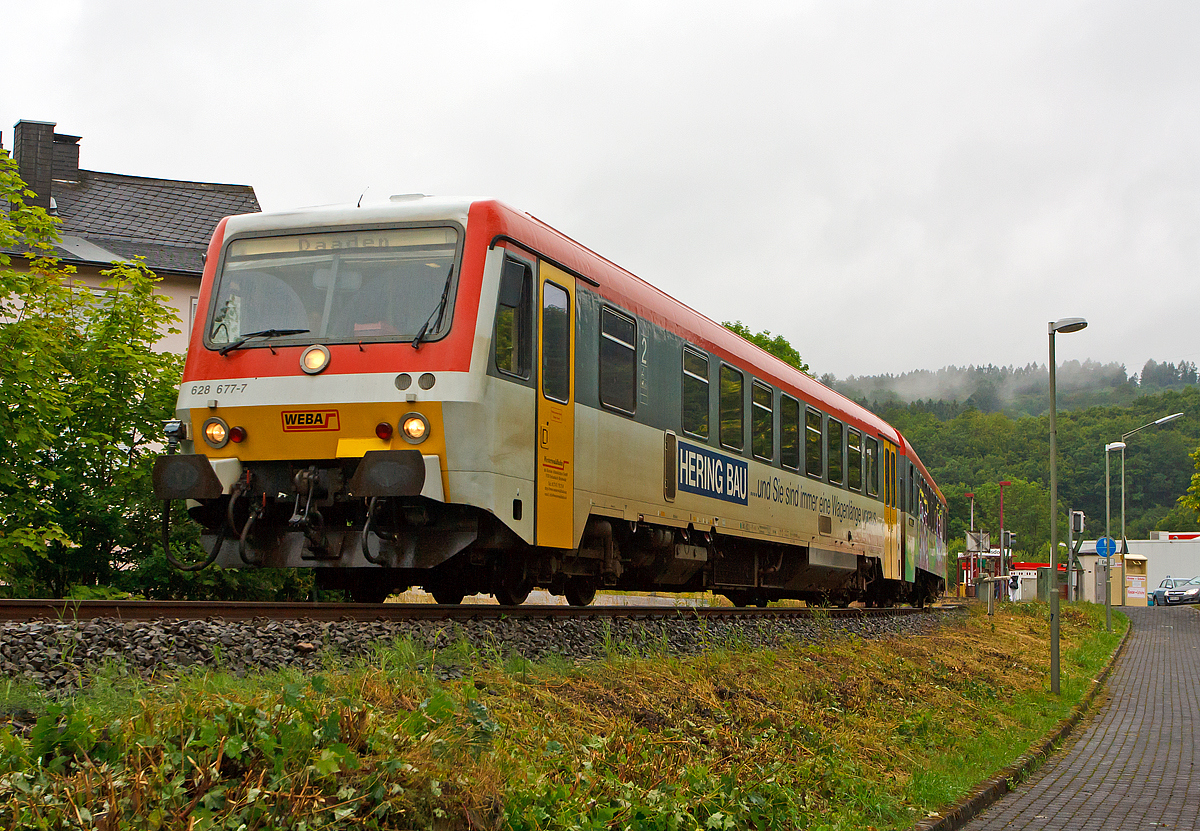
<point>841,733</point>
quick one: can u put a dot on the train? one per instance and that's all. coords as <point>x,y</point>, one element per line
<point>452,394</point>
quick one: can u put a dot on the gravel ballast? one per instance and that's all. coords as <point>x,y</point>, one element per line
<point>58,656</point>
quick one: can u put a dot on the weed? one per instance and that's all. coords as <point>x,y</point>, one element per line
<point>841,733</point>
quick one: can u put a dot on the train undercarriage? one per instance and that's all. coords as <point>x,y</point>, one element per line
<point>371,547</point>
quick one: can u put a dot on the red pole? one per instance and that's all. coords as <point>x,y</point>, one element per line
<point>1003,569</point>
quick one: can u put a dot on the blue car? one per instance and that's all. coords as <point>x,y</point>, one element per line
<point>1176,590</point>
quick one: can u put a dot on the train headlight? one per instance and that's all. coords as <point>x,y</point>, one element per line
<point>414,427</point>
<point>215,432</point>
<point>314,359</point>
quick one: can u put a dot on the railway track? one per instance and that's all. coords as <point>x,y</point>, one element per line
<point>146,610</point>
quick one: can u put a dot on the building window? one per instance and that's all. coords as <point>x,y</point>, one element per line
<point>762,420</point>
<point>834,454</point>
<point>618,365</point>
<point>789,432</point>
<point>733,409</point>
<point>854,460</point>
<point>513,333</point>
<point>813,444</point>
<point>695,393</point>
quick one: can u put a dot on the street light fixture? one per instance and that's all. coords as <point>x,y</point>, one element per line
<point>1116,445</point>
<point>1066,325</point>
<point>1124,436</point>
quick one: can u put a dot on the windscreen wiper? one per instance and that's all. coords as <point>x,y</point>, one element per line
<point>437,312</point>
<point>265,333</point>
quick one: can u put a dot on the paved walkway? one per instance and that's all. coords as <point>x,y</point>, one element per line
<point>1131,766</point>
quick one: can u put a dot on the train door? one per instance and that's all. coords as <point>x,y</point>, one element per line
<point>556,410</point>
<point>891,519</point>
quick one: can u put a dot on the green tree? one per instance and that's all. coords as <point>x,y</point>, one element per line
<point>82,396</point>
<point>1188,506</point>
<point>34,304</point>
<point>777,345</point>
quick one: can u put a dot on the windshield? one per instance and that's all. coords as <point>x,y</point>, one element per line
<point>343,287</point>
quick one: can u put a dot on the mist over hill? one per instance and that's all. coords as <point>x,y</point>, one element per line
<point>1017,391</point>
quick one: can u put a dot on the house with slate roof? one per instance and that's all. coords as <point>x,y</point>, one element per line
<point>113,216</point>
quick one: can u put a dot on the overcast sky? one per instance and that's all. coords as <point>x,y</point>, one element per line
<point>889,185</point>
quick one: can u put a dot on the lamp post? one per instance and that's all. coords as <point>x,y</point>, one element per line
<point>1116,445</point>
<point>1067,324</point>
<point>1124,438</point>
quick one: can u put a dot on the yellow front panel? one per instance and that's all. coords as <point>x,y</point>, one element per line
<point>556,417</point>
<point>275,433</point>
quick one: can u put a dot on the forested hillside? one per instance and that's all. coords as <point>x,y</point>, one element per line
<point>1017,391</point>
<point>973,450</point>
<point>974,427</point>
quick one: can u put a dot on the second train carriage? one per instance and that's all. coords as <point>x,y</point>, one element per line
<point>452,394</point>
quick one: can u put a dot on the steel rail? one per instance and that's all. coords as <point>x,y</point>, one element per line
<point>14,611</point>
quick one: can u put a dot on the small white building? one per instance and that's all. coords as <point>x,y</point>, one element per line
<point>1165,554</point>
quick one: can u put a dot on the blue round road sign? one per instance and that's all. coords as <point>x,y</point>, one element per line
<point>1106,546</point>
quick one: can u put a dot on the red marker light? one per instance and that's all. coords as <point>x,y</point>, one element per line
<point>383,430</point>
<point>237,434</point>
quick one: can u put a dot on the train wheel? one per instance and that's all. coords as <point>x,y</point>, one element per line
<point>446,596</point>
<point>580,591</point>
<point>509,596</point>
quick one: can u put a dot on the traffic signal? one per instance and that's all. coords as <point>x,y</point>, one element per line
<point>1077,522</point>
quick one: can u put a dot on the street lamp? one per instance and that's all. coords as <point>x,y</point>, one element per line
<point>1067,324</point>
<point>1121,443</point>
<point>1116,445</point>
<point>1124,438</point>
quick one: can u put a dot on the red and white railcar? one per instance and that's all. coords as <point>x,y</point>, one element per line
<point>455,395</point>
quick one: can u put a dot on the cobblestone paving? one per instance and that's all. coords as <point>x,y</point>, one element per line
<point>1131,767</point>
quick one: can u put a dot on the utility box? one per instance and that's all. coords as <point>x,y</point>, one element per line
<point>1135,580</point>
<point>1116,586</point>
<point>1044,582</point>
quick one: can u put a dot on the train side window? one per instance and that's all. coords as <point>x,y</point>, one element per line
<point>854,460</point>
<point>733,408</point>
<point>695,393</point>
<point>871,463</point>
<point>762,420</point>
<point>556,343</point>
<point>835,452</point>
<point>789,432</point>
<point>911,507</point>
<point>618,361</point>
<point>813,444</point>
<point>513,332</point>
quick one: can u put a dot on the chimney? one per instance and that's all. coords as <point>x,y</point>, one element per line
<point>33,150</point>
<point>66,158</point>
